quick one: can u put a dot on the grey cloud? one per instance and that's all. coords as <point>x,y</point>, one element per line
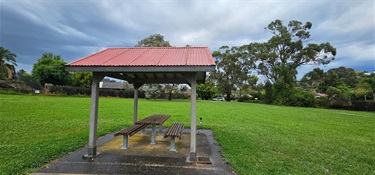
<point>75,29</point>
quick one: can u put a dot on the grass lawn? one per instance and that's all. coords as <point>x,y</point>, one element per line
<point>255,138</point>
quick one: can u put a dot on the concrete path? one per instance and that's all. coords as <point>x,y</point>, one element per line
<point>144,158</point>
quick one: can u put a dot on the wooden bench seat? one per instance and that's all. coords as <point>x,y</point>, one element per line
<point>174,131</point>
<point>128,132</point>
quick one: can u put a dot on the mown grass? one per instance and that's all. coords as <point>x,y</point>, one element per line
<point>255,138</point>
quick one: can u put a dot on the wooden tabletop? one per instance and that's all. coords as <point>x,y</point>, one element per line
<point>156,119</point>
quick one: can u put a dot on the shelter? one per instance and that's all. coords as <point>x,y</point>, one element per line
<point>142,65</point>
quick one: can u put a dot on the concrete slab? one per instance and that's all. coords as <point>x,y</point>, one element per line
<point>143,158</point>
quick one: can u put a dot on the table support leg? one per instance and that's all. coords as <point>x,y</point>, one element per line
<point>153,142</point>
<point>173,148</point>
<point>161,129</point>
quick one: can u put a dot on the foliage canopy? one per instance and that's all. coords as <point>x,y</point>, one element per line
<point>155,40</point>
<point>7,63</point>
<point>286,50</point>
<point>50,69</point>
<point>232,70</point>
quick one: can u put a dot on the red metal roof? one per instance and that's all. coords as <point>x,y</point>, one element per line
<point>148,56</point>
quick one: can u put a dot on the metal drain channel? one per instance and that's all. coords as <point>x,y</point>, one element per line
<point>203,160</point>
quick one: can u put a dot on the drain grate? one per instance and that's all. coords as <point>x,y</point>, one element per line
<point>203,160</point>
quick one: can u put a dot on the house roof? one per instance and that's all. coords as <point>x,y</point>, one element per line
<point>320,94</point>
<point>111,85</point>
<point>148,64</point>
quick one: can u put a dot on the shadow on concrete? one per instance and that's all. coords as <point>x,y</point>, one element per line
<point>144,158</point>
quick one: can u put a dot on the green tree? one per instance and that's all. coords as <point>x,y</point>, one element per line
<point>365,89</point>
<point>22,72</point>
<point>287,49</point>
<point>246,86</point>
<point>152,91</point>
<point>51,69</point>
<point>371,81</point>
<point>330,79</point>
<point>338,76</point>
<point>206,91</point>
<point>155,40</point>
<point>232,69</point>
<point>28,79</point>
<point>340,95</point>
<point>7,63</point>
<point>170,89</point>
<point>313,79</point>
<point>346,76</point>
<point>269,96</point>
<point>81,79</point>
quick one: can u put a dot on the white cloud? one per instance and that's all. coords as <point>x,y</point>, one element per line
<point>355,16</point>
<point>359,52</point>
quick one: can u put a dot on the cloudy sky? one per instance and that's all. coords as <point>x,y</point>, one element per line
<point>76,28</point>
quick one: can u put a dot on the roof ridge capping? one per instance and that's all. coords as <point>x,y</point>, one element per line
<point>174,47</point>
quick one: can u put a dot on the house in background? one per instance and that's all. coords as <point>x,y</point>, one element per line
<point>318,95</point>
<point>369,73</point>
<point>115,85</point>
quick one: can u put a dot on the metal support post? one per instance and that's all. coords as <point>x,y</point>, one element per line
<point>160,129</point>
<point>91,150</point>
<point>135,114</point>
<point>125,141</point>
<point>153,133</point>
<point>143,132</point>
<point>173,148</point>
<point>193,124</point>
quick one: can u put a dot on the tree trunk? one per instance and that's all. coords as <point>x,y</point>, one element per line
<point>239,94</point>
<point>228,95</point>
<point>170,95</point>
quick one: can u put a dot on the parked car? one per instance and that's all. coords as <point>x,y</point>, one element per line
<point>219,99</point>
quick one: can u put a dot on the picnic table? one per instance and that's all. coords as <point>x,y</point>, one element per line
<point>156,119</point>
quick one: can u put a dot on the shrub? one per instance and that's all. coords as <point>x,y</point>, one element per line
<point>322,102</point>
<point>244,98</point>
<point>301,98</point>
<point>296,97</point>
<point>254,101</point>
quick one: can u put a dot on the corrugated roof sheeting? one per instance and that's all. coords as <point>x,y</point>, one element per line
<point>149,56</point>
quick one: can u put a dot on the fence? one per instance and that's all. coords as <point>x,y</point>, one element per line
<point>358,106</point>
<point>363,105</point>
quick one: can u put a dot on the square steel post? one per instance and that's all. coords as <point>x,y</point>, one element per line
<point>192,79</point>
<point>153,133</point>
<point>160,129</point>
<point>94,114</point>
<point>125,141</point>
<point>135,114</point>
<point>172,148</point>
<point>143,132</point>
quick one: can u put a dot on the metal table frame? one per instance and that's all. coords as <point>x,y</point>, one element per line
<point>156,119</point>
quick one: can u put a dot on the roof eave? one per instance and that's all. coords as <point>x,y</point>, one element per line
<point>140,68</point>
